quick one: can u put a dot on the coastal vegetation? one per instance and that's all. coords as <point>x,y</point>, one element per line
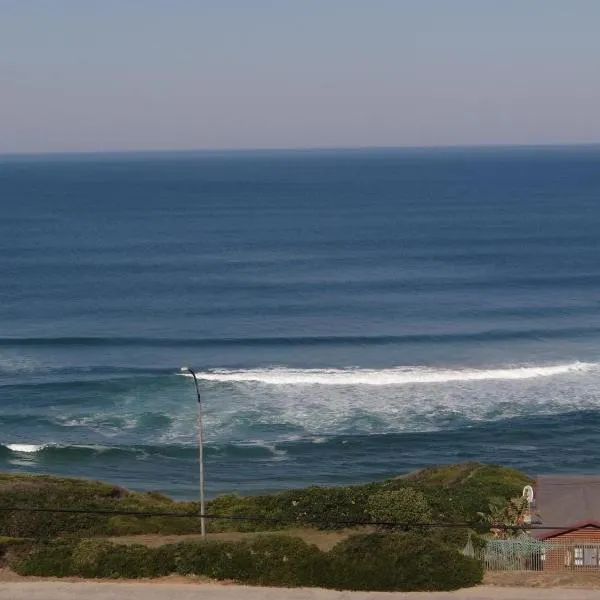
<point>377,562</point>
<point>450,494</point>
<point>385,534</point>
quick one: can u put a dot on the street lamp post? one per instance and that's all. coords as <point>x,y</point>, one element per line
<point>200,449</point>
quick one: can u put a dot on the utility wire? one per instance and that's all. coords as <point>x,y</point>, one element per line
<point>257,518</point>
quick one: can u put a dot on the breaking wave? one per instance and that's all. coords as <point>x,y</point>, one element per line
<point>259,449</point>
<point>387,377</point>
<point>26,448</point>
<point>253,412</point>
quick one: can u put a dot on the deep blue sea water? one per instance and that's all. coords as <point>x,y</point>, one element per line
<point>352,314</point>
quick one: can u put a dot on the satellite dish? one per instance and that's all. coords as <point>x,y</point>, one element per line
<point>528,493</point>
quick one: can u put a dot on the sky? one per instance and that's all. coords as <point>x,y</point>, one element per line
<point>89,75</point>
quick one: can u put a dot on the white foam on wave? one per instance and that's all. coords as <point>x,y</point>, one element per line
<point>388,377</point>
<point>284,404</point>
<point>277,454</point>
<point>26,448</point>
<point>271,406</point>
<point>15,365</point>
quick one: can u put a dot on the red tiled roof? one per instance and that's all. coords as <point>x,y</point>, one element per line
<point>544,534</point>
<point>565,503</point>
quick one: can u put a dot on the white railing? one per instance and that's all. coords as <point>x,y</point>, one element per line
<point>527,554</point>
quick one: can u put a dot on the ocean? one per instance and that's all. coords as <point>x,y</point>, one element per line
<point>352,315</point>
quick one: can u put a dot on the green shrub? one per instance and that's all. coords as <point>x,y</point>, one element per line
<point>132,561</point>
<point>215,559</point>
<point>100,558</point>
<point>399,562</point>
<point>405,505</point>
<point>456,537</point>
<point>264,560</point>
<point>453,492</point>
<point>95,558</point>
<point>327,508</point>
<point>13,548</point>
<point>49,559</point>
<point>268,507</point>
<point>458,492</point>
<point>324,508</point>
<point>132,525</point>
<point>88,554</point>
<point>375,562</point>
<point>284,561</point>
<point>51,492</point>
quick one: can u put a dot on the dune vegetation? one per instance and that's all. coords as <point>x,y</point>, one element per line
<point>381,527</point>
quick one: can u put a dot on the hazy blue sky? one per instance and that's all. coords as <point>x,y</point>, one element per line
<point>161,74</point>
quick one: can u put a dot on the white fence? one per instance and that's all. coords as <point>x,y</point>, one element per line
<point>524,553</point>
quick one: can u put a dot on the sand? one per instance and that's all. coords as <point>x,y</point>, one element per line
<point>169,590</point>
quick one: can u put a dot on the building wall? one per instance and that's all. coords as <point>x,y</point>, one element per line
<point>582,544</point>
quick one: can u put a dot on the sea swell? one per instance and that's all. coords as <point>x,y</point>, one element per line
<point>490,335</point>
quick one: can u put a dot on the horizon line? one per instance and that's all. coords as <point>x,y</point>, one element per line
<point>291,149</point>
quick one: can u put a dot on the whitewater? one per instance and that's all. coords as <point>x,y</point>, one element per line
<point>270,406</point>
<point>350,315</point>
<point>393,376</point>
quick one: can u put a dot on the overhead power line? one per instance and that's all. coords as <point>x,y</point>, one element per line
<point>282,521</point>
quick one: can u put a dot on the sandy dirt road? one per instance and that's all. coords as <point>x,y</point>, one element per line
<point>59,590</point>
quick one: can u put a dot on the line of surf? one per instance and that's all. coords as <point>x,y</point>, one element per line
<point>255,448</point>
<point>389,376</point>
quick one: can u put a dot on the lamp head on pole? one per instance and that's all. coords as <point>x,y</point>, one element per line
<point>193,374</point>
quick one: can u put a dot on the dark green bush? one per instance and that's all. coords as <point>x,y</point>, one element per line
<point>376,562</point>
<point>450,536</point>
<point>268,507</point>
<point>265,560</point>
<point>456,537</point>
<point>322,507</point>
<point>399,562</point>
<point>454,493</point>
<point>47,559</point>
<point>405,505</point>
<point>285,561</point>
<point>57,492</point>
<point>95,558</point>
<point>13,548</point>
<point>132,561</point>
<point>215,559</point>
<point>100,558</point>
<point>88,554</point>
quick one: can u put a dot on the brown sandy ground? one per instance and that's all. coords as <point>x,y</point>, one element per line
<point>325,540</point>
<point>64,590</point>
<point>543,580</point>
<point>505,580</point>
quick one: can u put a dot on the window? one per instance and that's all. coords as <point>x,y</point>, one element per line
<point>586,556</point>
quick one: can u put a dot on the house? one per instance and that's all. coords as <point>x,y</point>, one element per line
<point>565,514</point>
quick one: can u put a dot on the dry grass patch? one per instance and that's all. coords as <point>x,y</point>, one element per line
<point>324,540</point>
<point>542,580</point>
<point>8,576</point>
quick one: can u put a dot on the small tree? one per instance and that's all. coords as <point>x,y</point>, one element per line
<point>512,513</point>
<point>405,505</point>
